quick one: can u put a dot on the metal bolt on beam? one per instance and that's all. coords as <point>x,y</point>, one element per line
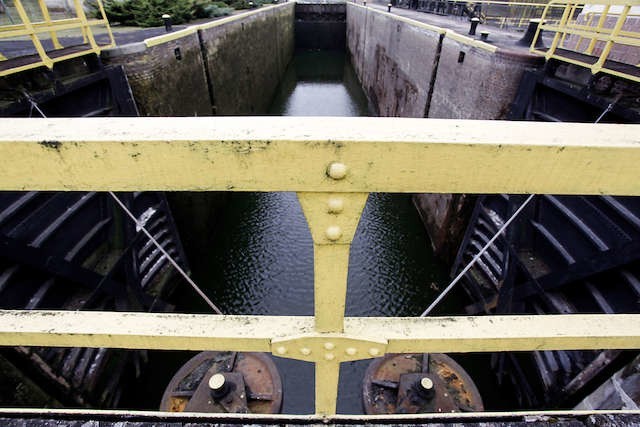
<point>335,205</point>
<point>337,170</point>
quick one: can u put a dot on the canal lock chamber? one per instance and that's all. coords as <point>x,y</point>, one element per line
<point>261,261</point>
<point>252,252</point>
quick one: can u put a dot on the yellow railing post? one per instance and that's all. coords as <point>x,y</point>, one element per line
<point>333,219</point>
<point>86,29</point>
<point>556,37</point>
<point>609,43</point>
<point>571,14</point>
<point>47,19</point>
<point>598,29</point>
<point>103,14</point>
<point>32,34</point>
<point>588,21</point>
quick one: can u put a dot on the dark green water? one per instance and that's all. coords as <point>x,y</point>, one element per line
<point>262,262</point>
<point>261,257</point>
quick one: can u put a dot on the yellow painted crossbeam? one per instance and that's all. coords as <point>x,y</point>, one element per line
<point>255,333</point>
<point>332,163</point>
<point>146,330</point>
<point>293,154</point>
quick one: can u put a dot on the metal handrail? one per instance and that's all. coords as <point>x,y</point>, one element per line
<point>33,29</point>
<point>602,34</point>
<point>332,164</point>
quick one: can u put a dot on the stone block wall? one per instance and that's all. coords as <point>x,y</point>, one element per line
<point>228,67</point>
<point>246,59</point>
<point>394,60</point>
<point>477,83</point>
<point>410,69</point>
<point>167,79</point>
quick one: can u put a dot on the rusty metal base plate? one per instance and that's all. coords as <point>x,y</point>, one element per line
<point>257,382</point>
<point>391,385</point>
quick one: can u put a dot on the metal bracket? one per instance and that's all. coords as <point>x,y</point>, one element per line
<point>328,347</point>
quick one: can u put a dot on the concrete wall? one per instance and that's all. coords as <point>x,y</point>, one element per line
<point>246,59</point>
<point>167,79</point>
<point>229,67</point>
<point>410,69</point>
<point>482,85</point>
<point>445,216</point>
<point>321,26</point>
<point>394,60</point>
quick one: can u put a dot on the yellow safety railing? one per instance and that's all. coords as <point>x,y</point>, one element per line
<point>332,164</point>
<point>35,29</point>
<point>516,14</point>
<point>504,13</point>
<point>606,40</point>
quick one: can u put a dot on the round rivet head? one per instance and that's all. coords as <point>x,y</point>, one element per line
<point>335,205</point>
<point>281,350</point>
<point>351,351</point>
<point>329,346</point>
<point>337,170</point>
<point>216,382</point>
<point>333,232</point>
<point>374,351</point>
<point>306,351</point>
<point>329,356</point>
<point>426,383</point>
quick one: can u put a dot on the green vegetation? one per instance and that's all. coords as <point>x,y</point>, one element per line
<point>245,4</point>
<point>148,13</point>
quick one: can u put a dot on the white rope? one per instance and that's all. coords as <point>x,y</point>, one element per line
<point>171,260</point>
<point>501,230</point>
<point>33,105</point>
<point>609,108</point>
<point>476,258</point>
<point>140,226</point>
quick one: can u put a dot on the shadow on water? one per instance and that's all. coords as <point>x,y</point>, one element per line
<point>261,261</point>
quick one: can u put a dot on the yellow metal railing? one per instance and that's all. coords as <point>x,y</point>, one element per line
<point>590,38</point>
<point>516,14</point>
<point>34,31</point>
<point>504,13</point>
<point>332,163</point>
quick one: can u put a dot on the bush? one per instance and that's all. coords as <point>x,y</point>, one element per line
<point>148,13</point>
<point>213,11</point>
<point>244,4</point>
<point>206,9</point>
